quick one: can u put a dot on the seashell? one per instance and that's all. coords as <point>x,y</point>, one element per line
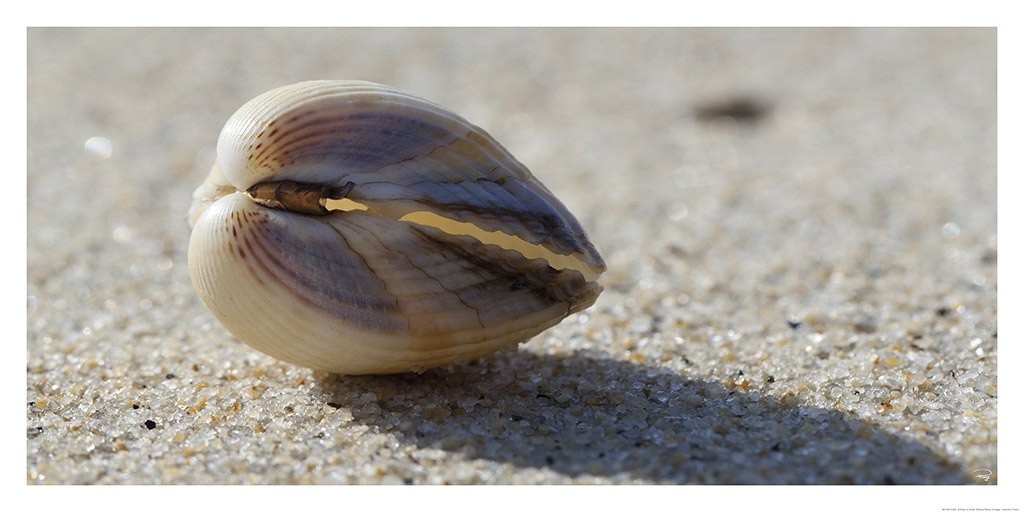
<point>352,228</point>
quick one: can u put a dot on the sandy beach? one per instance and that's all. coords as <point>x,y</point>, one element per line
<point>799,227</point>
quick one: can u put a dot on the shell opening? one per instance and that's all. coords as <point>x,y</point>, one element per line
<point>322,200</point>
<point>503,240</point>
<point>343,205</point>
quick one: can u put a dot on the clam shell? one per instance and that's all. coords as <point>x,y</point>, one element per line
<point>353,228</point>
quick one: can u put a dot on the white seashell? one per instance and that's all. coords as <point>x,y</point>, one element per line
<point>352,228</point>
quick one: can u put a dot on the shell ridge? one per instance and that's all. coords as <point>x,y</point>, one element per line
<point>371,268</point>
<point>424,272</point>
<point>314,132</point>
<point>296,282</point>
<point>449,290</point>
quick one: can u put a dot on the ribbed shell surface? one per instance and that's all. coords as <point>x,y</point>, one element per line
<point>364,291</point>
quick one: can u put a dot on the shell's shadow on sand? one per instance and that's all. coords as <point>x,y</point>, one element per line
<point>635,422</point>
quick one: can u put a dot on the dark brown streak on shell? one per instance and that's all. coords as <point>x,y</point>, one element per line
<point>304,198</point>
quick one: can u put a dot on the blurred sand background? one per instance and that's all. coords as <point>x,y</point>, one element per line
<point>800,229</point>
